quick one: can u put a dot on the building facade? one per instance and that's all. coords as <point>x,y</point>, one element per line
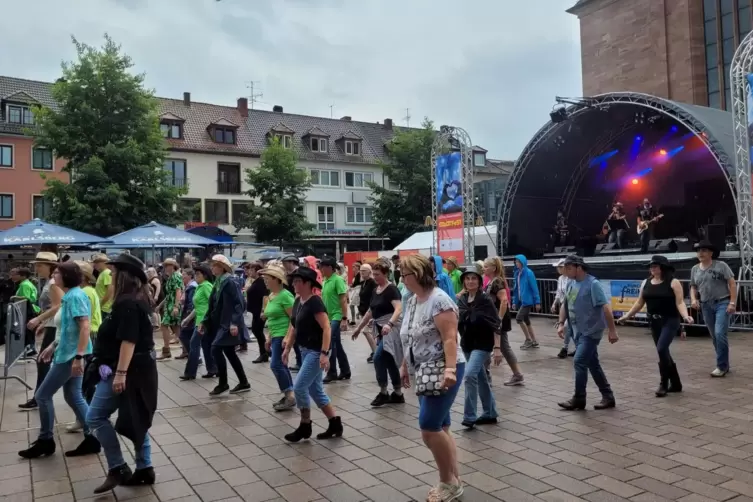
<point>675,49</point>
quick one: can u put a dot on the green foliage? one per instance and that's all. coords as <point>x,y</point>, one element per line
<point>107,127</point>
<point>278,191</point>
<point>399,213</point>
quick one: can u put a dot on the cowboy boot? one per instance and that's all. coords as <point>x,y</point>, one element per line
<point>663,380</point>
<point>675,384</point>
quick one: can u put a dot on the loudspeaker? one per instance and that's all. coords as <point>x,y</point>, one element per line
<point>565,250</point>
<point>662,246</point>
<point>607,246</point>
<point>715,235</point>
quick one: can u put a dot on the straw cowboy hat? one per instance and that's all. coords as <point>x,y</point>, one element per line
<point>86,269</point>
<point>172,262</point>
<point>276,272</point>
<point>223,261</point>
<point>45,257</point>
<point>100,258</point>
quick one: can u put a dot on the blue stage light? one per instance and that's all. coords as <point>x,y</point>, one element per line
<point>638,138</point>
<point>673,128</point>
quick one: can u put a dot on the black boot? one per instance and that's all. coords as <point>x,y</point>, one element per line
<point>335,429</point>
<point>115,476</point>
<point>663,380</point>
<point>39,448</point>
<point>141,477</point>
<point>88,446</point>
<point>573,404</point>
<point>302,432</point>
<point>675,384</point>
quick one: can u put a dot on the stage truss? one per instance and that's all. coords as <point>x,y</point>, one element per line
<point>455,139</point>
<point>742,64</point>
<point>593,105</point>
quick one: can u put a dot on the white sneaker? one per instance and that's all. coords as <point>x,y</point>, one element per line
<point>717,373</point>
<point>74,427</point>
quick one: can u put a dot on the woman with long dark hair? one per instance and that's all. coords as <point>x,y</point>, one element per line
<point>664,299</point>
<point>125,369</point>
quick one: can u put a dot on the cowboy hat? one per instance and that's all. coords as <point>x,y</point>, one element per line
<point>87,270</point>
<point>453,261</point>
<point>45,257</point>
<point>100,257</point>
<point>276,272</point>
<point>560,263</point>
<point>306,275</point>
<point>131,264</point>
<point>662,261</point>
<point>576,260</point>
<point>704,244</point>
<point>471,271</point>
<point>172,262</point>
<point>223,261</point>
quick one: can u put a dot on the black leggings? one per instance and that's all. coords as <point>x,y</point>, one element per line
<point>220,352</point>
<point>257,328</point>
<point>42,367</point>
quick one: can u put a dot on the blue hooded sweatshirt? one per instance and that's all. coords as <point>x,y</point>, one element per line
<point>525,293</point>
<point>443,280</point>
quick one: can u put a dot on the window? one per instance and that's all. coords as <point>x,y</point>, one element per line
<point>325,178</point>
<point>715,99</point>
<point>20,115</point>
<point>224,135</point>
<point>728,51</point>
<point>727,6</point>
<point>709,9</point>
<point>41,159</point>
<point>6,156</point>
<point>216,211</point>
<point>479,159</point>
<point>358,180</point>
<point>189,210</point>
<point>6,206</point>
<point>712,56</point>
<point>176,172</point>
<point>286,140</point>
<point>713,80</point>
<point>240,207</point>
<point>325,217</point>
<point>353,148</point>
<point>744,20</point>
<point>319,145</point>
<point>228,178</point>
<point>359,214</point>
<point>171,130</point>
<point>41,207</point>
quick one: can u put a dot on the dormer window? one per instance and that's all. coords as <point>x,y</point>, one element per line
<point>318,140</point>
<point>283,134</point>
<point>223,131</point>
<point>352,147</point>
<point>286,140</point>
<point>171,130</point>
<point>319,145</point>
<point>351,143</point>
<point>19,114</point>
<point>479,159</point>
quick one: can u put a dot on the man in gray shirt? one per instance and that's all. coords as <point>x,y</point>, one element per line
<point>714,281</point>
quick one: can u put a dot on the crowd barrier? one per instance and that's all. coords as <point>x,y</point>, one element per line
<point>623,294</point>
<point>15,339</point>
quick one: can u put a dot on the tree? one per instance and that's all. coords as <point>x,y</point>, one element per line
<point>107,128</point>
<point>278,191</point>
<point>401,211</point>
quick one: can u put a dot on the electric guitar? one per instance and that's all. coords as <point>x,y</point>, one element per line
<point>643,226</point>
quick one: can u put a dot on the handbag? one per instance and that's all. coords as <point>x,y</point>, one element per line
<point>430,374</point>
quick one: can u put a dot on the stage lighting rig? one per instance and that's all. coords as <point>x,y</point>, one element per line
<point>560,112</point>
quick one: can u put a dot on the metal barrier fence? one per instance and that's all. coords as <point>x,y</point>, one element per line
<point>741,320</point>
<point>15,339</point>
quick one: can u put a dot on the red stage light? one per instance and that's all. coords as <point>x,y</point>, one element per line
<point>662,152</point>
<point>635,181</point>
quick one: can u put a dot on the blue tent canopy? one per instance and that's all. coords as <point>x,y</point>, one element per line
<point>155,235</point>
<point>211,232</point>
<point>40,232</point>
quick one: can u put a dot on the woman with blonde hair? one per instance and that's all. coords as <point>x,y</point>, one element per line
<point>496,287</point>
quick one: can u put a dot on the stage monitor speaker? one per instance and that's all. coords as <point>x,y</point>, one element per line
<point>662,246</point>
<point>565,250</point>
<point>607,246</point>
<point>715,235</point>
<point>480,252</point>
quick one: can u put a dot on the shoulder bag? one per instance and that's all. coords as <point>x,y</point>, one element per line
<point>429,375</point>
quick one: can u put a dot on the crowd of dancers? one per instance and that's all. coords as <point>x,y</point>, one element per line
<point>431,327</point>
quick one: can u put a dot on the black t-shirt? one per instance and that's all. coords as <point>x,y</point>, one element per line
<point>364,299</point>
<point>255,296</point>
<point>308,332</point>
<point>289,285</point>
<point>381,303</point>
<point>128,322</point>
<point>647,213</point>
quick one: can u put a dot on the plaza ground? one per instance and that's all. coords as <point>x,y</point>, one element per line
<point>693,447</point>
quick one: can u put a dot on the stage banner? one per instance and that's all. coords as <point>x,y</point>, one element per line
<point>349,259</point>
<point>623,295</point>
<point>450,236</point>
<point>407,252</point>
<point>369,257</point>
<point>449,184</point>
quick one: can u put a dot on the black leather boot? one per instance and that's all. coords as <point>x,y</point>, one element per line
<point>116,476</point>
<point>141,477</point>
<point>88,446</point>
<point>335,429</point>
<point>573,404</point>
<point>302,432</point>
<point>675,384</point>
<point>39,448</point>
<point>661,391</point>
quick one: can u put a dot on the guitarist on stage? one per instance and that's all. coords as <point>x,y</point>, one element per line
<point>647,216</point>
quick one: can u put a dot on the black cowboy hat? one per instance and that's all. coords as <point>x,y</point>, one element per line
<point>306,275</point>
<point>662,261</point>
<point>328,261</point>
<point>576,260</point>
<point>704,244</point>
<point>130,263</point>
<point>471,271</point>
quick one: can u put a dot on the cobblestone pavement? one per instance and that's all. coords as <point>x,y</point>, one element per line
<point>692,447</point>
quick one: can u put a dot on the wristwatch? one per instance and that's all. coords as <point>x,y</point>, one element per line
<point>325,352</point>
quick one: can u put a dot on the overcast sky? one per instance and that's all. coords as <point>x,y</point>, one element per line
<point>492,67</point>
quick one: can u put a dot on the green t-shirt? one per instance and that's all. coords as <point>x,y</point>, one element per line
<point>103,281</point>
<point>276,313</point>
<point>95,321</point>
<point>333,287</point>
<point>27,289</point>
<point>201,301</point>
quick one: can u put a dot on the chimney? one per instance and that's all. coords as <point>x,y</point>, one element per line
<point>187,98</point>
<point>243,107</point>
<point>277,108</point>
<point>388,124</point>
<point>346,118</point>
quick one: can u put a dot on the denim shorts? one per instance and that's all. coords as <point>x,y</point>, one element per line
<point>524,315</point>
<point>434,411</point>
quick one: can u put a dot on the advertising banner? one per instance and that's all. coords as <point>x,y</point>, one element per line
<point>449,184</point>
<point>624,294</point>
<point>450,236</point>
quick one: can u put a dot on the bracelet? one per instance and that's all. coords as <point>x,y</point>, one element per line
<point>451,370</point>
<point>121,372</point>
<point>497,348</point>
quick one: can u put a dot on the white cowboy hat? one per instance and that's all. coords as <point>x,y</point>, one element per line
<point>277,272</point>
<point>223,261</point>
<point>46,257</point>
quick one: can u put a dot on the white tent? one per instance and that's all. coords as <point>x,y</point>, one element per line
<point>484,236</point>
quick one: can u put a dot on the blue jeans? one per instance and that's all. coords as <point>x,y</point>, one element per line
<point>434,411</point>
<point>279,370</point>
<point>308,381</point>
<point>298,359</point>
<point>58,376</point>
<point>477,386</point>
<point>384,365</point>
<point>104,404</point>
<point>338,355</point>
<point>587,359</point>
<point>664,332</point>
<point>193,344</point>
<point>717,321</point>
<point>568,335</point>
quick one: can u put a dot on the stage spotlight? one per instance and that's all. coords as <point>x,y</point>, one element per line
<point>638,138</point>
<point>673,128</point>
<point>662,152</point>
<point>558,115</point>
<point>635,181</point>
